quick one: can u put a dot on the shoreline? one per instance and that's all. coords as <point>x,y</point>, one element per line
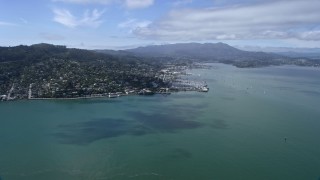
<point>75,98</point>
<point>68,98</point>
<point>180,86</point>
<point>97,97</point>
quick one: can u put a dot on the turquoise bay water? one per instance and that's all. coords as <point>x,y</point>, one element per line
<point>235,131</point>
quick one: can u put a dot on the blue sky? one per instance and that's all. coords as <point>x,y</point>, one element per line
<point>120,24</point>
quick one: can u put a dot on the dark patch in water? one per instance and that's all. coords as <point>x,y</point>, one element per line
<point>163,122</point>
<point>140,130</point>
<point>180,153</point>
<point>219,124</point>
<point>88,132</point>
<point>104,128</point>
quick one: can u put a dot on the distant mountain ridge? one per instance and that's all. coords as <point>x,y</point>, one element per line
<point>178,53</point>
<point>206,52</point>
<point>286,51</point>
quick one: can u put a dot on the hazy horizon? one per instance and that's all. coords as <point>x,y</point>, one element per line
<point>122,24</point>
<point>268,49</point>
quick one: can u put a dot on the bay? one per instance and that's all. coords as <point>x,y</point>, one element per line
<point>260,123</point>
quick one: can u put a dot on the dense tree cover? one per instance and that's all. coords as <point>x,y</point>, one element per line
<point>42,52</point>
<point>57,69</point>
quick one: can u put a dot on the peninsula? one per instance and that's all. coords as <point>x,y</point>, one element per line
<point>45,71</point>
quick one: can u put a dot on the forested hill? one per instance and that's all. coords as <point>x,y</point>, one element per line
<point>50,71</point>
<point>40,52</point>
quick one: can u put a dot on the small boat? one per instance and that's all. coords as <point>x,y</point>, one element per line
<point>146,92</point>
<point>203,89</point>
<point>113,95</point>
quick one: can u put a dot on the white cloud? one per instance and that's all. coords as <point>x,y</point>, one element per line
<point>89,18</point>
<point>130,4</point>
<point>135,4</point>
<point>272,20</point>
<point>86,1</point>
<point>181,2</point>
<point>133,24</point>
<point>23,20</point>
<point>310,35</point>
<point>2,23</point>
<point>275,34</point>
